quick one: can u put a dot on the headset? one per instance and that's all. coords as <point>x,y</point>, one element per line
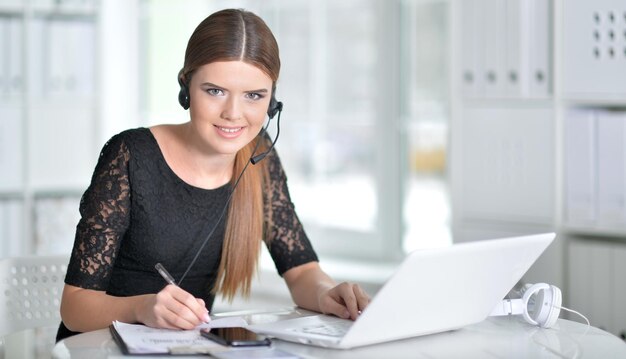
<point>540,305</point>
<point>274,107</point>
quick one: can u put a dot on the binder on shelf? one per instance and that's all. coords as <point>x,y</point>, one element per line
<point>81,74</point>
<point>506,48</point>
<point>514,74</point>
<point>62,64</point>
<point>5,50</point>
<point>15,225</point>
<point>611,168</point>
<point>69,70</point>
<point>469,50</point>
<point>490,18</point>
<point>58,55</point>
<point>4,230</point>
<point>580,178</point>
<point>37,58</point>
<point>540,73</point>
<point>15,78</point>
<point>11,148</point>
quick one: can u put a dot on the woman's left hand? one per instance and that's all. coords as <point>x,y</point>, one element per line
<point>313,289</point>
<point>345,300</point>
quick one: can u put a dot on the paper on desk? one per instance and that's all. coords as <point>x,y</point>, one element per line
<point>142,339</point>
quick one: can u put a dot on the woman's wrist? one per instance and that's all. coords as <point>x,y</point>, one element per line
<point>138,308</point>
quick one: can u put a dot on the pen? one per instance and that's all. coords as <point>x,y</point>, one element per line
<point>164,273</point>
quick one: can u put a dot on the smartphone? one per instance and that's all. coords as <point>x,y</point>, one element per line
<point>235,337</point>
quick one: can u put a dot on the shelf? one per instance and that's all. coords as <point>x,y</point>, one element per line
<point>43,192</point>
<point>595,230</point>
<point>65,8</point>
<point>64,102</point>
<point>7,195</point>
<point>505,97</point>
<point>52,192</point>
<point>614,101</point>
<point>15,9</point>
<point>508,101</point>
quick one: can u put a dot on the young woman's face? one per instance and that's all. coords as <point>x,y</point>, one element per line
<point>229,102</point>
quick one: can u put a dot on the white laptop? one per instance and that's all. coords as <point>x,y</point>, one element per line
<point>432,291</point>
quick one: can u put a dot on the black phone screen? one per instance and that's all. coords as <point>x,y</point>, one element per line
<point>235,337</point>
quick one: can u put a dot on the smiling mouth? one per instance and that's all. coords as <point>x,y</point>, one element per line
<point>229,129</point>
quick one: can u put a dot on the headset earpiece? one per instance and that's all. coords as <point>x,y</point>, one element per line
<point>545,300</point>
<point>183,95</point>
<point>274,107</point>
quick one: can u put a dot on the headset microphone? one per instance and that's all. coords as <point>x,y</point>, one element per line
<point>276,108</point>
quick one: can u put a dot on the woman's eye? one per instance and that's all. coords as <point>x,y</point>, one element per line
<point>214,92</point>
<point>254,96</point>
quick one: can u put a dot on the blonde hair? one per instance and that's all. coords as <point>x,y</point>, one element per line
<point>244,226</point>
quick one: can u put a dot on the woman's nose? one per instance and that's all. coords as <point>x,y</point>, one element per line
<point>231,110</point>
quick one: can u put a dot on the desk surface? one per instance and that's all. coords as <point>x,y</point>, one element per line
<point>496,337</point>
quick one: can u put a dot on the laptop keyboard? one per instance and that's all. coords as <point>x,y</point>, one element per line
<point>335,329</point>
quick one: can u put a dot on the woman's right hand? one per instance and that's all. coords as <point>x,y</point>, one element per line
<point>173,308</point>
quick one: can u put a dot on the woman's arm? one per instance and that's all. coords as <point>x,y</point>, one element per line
<point>313,289</point>
<point>86,309</point>
<point>295,258</point>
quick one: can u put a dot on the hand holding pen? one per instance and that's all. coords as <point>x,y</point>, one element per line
<point>173,307</point>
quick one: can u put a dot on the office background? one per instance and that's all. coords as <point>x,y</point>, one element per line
<point>408,124</point>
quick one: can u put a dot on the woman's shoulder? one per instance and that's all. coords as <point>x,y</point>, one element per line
<point>132,134</point>
<point>129,138</point>
<point>135,140</point>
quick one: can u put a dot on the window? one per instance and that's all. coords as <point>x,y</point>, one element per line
<point>425,113</point>
<point>332,67</point>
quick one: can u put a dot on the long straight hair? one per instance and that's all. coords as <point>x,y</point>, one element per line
<point>238,35</point>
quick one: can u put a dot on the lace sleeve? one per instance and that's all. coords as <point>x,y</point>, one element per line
<point>287,242</point>
<point>104,209</point>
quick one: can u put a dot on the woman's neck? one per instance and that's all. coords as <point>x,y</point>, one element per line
<point>202,166</point>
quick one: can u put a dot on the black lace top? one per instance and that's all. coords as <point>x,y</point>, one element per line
<point>138,212</point>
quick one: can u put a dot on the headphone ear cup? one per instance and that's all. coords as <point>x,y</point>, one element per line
<point>274,107</point>
<point>183,94</point>
<point>555,307</point>
<point>546,307</point>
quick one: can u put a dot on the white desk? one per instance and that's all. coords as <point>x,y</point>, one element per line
<point>496,337</point>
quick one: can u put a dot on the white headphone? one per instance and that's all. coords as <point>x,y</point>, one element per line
<point>540,305</point>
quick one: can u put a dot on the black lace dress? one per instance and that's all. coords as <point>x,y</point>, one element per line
<point>138,212</point>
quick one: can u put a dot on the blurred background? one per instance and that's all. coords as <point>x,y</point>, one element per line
<point>408,124</point>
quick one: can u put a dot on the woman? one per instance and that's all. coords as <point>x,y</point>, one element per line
<point>157,196</point>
